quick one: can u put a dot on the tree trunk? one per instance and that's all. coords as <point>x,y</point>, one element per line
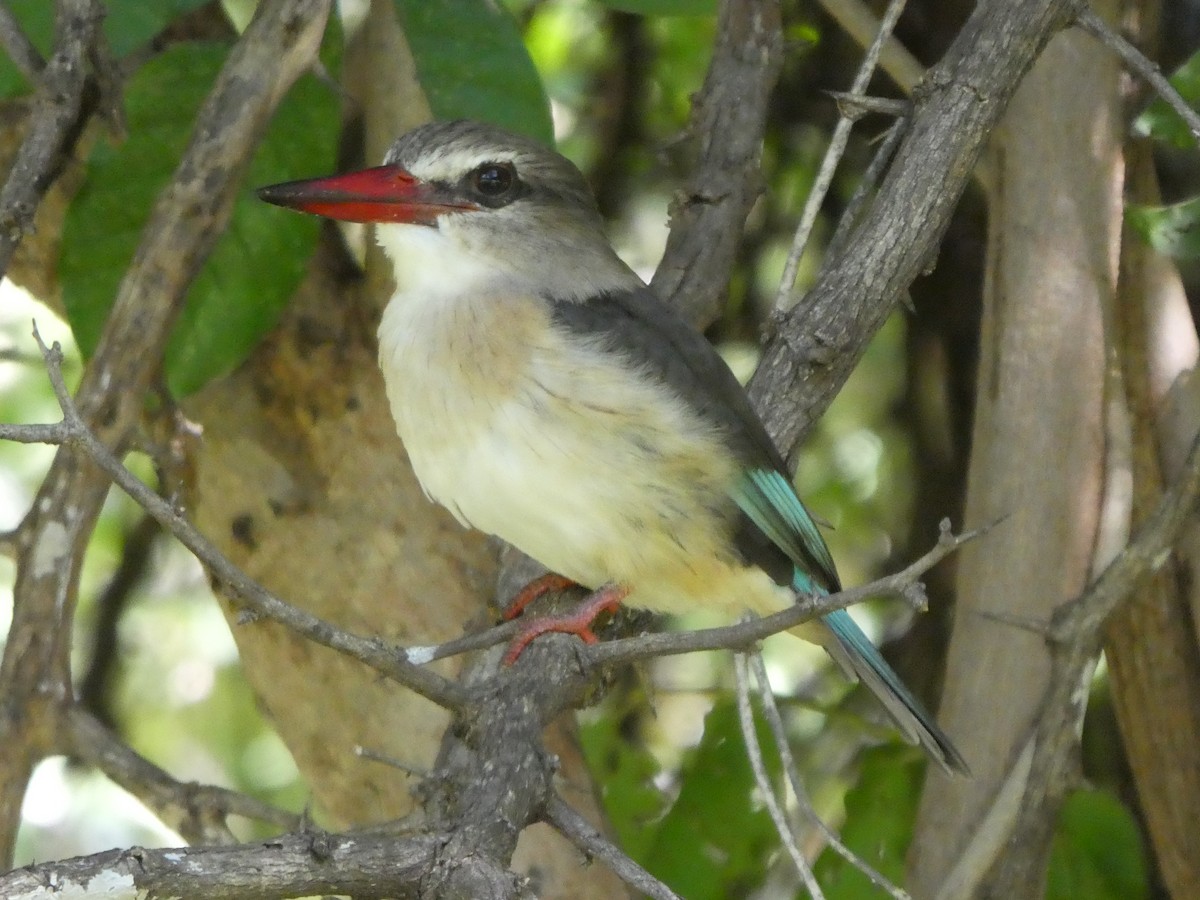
<point>1038,446</point>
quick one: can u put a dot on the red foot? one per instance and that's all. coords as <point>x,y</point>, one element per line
<point>608,598</point>
<point>535,590</point>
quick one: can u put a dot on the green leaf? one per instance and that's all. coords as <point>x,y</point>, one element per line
<point>1171,230</point>
<point>880,810</point>
<point>717,837</point>
<point>473,64</point>
<point>1161,122</point>
<point>1097,851</point>
<point>665,7</point>
<point>238,295</point>
<point>128,24</point>
<point>625,771</point>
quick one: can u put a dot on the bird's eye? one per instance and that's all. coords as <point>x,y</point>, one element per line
<point>494,180</point>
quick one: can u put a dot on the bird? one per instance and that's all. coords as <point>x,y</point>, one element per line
<point>547,396</point>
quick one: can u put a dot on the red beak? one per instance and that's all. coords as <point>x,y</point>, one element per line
<point>381,194</point>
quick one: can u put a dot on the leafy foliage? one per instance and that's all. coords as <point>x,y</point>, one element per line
<point>1097,851</point>
<point>128,24</point>
<point>473,64</point>
<point>714,840</point>
<point>256,265</point>
<point>1173,230</point>
<point>1161,122</point>
<point>880,810</point>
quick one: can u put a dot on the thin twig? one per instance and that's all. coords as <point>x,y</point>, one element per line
<point>198,812</point>
<point>20,48</point>
<point>480,640</point>
<point>580,832</point>
<point>370,651</point>
<point>858,20</point>
<point>779,735</point>
<point>903,584</point>
<point>1087,19</point>
<point>833,156</point>
<point>761,778</point>
<point>364,753</point>
<point>1148,551</point>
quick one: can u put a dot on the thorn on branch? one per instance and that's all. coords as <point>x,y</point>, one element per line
<point>855,106</point>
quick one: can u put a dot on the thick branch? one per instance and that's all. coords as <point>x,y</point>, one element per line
<point>728,118</point>
<point>814,347</point>
<point>295,865</point>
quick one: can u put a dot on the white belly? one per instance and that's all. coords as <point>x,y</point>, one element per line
<point>561,452</point>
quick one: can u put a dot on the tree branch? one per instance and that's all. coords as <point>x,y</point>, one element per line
<point>59,111</point>
<point>198,812</point>
<point>782,746</point>
<point>812,349</point>
<point>188,217</point>
<point>580,832</point>
<point>766,790</point>
<point>19,48</point>
<point>902,584</point>
<point>833,155</point>
<point>729,117</point>
<point>1076,635</point>
<point>375,653</point>
<point>1086,18</point>
<point>363,866</point>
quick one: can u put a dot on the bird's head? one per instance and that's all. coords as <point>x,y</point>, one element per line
<point>464,193</point>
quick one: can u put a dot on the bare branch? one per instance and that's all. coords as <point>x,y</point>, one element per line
<point>859,21</point>
<point>580,832</point>
<point>762,779</point>
<point>867,184</point>
<point>855,106</point>
<point>1147,552</point>
<point>903,584</point>
<point>198,812</point>
<point>1077,633</point>
<point>833,156</point>
<point>783,748</point>
<point>729,118</point>
<point>361,865</point>
<point>373,652</point>
<point>813,348</point>
<point>1086,18</point>
<point>58,114</point>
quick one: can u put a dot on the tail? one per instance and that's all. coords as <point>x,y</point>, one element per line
<point>857,656</point>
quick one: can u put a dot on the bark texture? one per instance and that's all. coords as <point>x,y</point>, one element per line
<point>1038,447</point>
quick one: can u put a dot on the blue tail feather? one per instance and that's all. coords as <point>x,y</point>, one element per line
<point>865,661</point>
<point>769,500</point>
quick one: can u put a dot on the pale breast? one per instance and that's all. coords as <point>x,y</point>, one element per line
<point>555,446</point>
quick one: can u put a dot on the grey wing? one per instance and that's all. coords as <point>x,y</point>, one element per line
<point>656,338</point>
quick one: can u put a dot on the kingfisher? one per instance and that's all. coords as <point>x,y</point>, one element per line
<point>545,395</point>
